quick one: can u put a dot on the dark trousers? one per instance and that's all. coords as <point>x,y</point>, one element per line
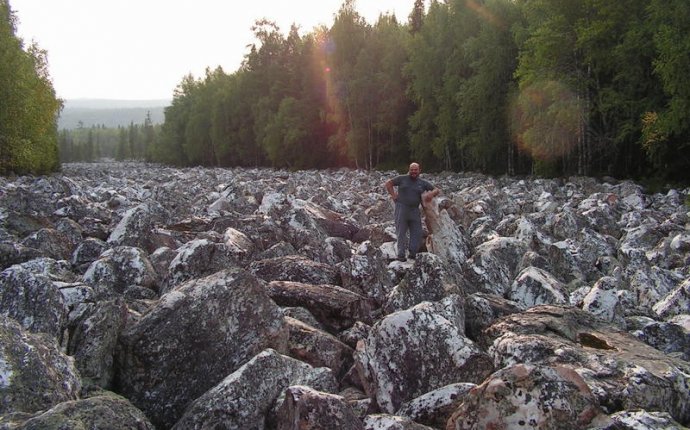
<point>408,219</point>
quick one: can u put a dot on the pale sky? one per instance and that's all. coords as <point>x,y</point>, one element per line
<point>141,49</point>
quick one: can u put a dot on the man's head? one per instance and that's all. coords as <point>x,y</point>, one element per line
<point>414,170</point>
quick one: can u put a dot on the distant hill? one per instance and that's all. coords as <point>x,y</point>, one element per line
<point>111,113</point>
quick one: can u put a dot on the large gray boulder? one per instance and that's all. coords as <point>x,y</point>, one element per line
<point>621,371</point>
<point>306,408</point>
<point>412,352</point>
<point>103,411</point>
<point>192,338</point>
<point>528,396</point>
<point>247,397</point>
<point>34,374</point>
<point>119,267</point>
<point>29,295</point>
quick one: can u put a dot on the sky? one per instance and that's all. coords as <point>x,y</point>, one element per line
<point>141,49</point>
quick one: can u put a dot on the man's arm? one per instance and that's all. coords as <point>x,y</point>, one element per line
<point>391,189</point>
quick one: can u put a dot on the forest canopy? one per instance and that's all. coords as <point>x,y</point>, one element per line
<point>544,87</point>
<point>28,105</point>
<point>549,87</point>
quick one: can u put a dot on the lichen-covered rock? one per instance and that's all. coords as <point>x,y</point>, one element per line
<point>192,338</point>
<point>33,299</point>
<point>34,373</point>
<point>295,268</point>
<point>50,243</point>
<point>88,251</point>
<point>119,267</point>
<point>534,286</point>
<point>415,351</point>
<point>334,307</point>
<point>482,310</point>
<point>640,420</point>
<point>621,371</point>
<point>445,237</point>
<point>391,422</point>
<point>669,337</point>
<point>528,396</point>
<point>428,280</point>
<point>136,226</point>
<point>246,397</point>
<point>104,411</point>
<point>92,334</point>
<point>195,259</point>
<point>493,266</point>
<point>318,348</point>
<point>366,273</point>
<point>603,302</point>
<point>435,407</point>
<point>306,408</point>
<point>677,302</point>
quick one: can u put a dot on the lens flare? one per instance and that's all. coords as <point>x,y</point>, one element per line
<point>547,120</point>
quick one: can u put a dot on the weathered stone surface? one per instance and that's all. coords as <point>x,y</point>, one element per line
<point>677,302</point>
<point>34,374</point>
<point>414,351</point>
<point>534,286</point>
<point>428,280</point>
<point>295,268</point>
<point>621,371</point>
<point>92,334</point>
<point>482,310</point>
<point>32,298</point>
<point>50,243</point>
<point>246,397</point>
<point>318,348</point>
<point>106,411</point>
<point>445,237</point>
<point>617,253</point>
<point>640,420</point>
<point>366,273</point>
<point>528,396</point>
<point>494,264</point>
<point>119,267</point>
<point>306,408</point>
<point>86,252</point>
<point>435,407</point>
<point>136,226</point>
<point>391,422</point>
<point>670,337</point>
<point>172,354</point>
<point>334,307</point>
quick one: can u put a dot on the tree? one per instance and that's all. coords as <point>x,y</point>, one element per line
<point>29,108</point>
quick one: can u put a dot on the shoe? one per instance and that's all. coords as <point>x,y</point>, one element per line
<point>402,259</point>
<point>413,256</point>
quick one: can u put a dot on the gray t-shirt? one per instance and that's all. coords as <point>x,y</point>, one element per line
<point>410,190</point>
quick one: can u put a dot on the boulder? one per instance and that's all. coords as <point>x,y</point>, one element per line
<point>528,396</point>
<point>33,299</point>
<point>412,352</point>
<point>295,268</point>
<point>103,411</point>
<point>119,267</point>
<point>334,307</point>
<point>318,348</point>
<point>306,408</point>
<point>34,374</point>
<point>435,407</point>
<point>246,398</point>
<point>171,355</point>
<point>621,371</point>
<point>534,286</point>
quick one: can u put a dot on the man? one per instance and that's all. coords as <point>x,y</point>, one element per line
<point>411,190</point>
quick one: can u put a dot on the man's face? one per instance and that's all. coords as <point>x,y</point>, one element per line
<point>414,170</point>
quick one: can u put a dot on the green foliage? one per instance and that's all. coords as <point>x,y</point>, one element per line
<point>28,107</point>
<point>552,87</point>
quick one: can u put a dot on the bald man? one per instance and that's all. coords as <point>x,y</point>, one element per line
<point>411,189</point>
